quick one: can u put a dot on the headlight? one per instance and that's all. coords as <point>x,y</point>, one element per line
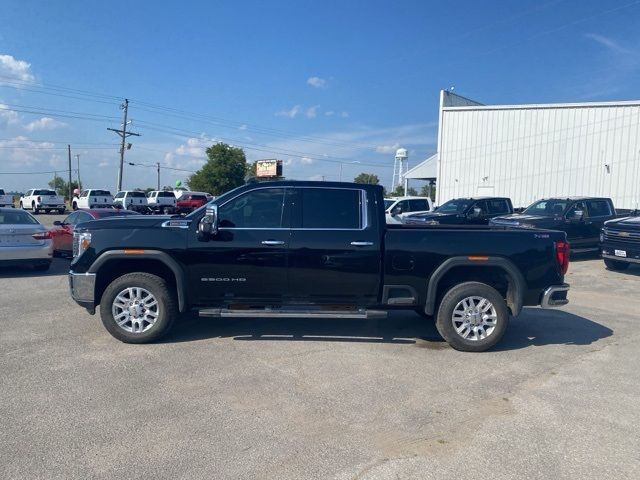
<point>81,242</point>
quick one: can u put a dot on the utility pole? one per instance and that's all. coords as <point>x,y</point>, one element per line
<point>158,166</point>
<point>123,134</point>
<point>79,182</point>
<point>70,187</point>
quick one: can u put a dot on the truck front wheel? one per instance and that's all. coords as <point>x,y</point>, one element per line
<point>138,308</point>
<point>472,317</point>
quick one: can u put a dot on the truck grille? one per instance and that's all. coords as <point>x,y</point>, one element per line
<point>76,244</point>
<point>622,237</point>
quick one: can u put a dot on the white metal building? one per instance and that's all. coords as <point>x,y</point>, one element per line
<point>527,152</point>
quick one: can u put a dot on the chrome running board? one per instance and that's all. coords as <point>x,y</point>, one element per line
<point>292,313</point>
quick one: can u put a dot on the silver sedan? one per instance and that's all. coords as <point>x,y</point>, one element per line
<point>24,240</point>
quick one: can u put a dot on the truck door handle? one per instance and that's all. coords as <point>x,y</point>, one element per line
<point>272,242</point>
<point>361,244</point>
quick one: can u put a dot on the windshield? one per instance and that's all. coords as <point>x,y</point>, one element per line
<point>547,208</point>
<point>95,193</point>
<point>458,205</point>
<point>136,194</point>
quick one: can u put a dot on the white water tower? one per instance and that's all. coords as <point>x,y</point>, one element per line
<point>400,167</point>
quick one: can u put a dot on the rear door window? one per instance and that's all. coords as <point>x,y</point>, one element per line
<point>331,208</point>
<point>598,208</point>
<point>497,207</point>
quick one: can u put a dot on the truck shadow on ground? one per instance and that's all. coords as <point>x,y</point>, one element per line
<point>59,266</point>
<point>534,327</point>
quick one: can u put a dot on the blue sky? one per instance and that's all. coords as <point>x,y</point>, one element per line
<point>314,83</point>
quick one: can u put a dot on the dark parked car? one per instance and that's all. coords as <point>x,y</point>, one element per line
<point>463,211</point>
<point>581,218</point>
<point>312,249</point>
<point>62,231</point>
<point>620,243</point>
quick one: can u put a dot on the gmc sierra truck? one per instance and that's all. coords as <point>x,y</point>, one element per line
<point>311,249</point>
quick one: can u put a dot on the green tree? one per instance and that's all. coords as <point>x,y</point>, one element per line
<point>424,191</point>
<point>225,169</point>
<point>399,191</point>
<point>61,187</point>
<point>368,178</point>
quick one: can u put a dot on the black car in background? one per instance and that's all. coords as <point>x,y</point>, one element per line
<point>620,243</point>
<point>463,211</point>
<point>581,218</point>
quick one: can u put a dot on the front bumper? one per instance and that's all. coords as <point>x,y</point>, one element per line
<point>83,287</point>
<point>632,252</point>
<point>555,296</point>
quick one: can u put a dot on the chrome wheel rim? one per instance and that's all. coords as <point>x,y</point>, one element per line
<point>135,310</point>
<point>474,318</point>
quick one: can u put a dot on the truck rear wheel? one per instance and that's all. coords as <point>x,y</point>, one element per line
<point>138,308</point>
<point>615,264</point>
<point>472,317</point>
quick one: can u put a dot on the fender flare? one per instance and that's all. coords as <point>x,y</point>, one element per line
<point>166,259</point>
<point>517,284</point>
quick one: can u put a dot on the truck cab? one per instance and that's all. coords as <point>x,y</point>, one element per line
<point>396,208</point>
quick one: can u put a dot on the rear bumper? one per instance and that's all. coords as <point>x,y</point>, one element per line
<point>555,296</point>
<point>82,287</point>
<point>27,253</point>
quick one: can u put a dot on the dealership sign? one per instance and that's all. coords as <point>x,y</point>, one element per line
<point>269,168</point>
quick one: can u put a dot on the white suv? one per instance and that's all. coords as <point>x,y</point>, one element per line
<point>161,201</point>
<point>396,207</point>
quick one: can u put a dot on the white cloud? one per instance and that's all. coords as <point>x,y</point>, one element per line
<point>317,178</point>
<point>608,43</point>
<point>242,127</point>
<point>329,113</point>
<point>8,116</point>
<point>344,114</point>
<point>292,113</point>
<point>317,82</point>
<point>387,149</point>
<point>104,163</point>
<point>44,123</point>
<point>306,161</point>
<point>312,112</point>
<point>13,69</point>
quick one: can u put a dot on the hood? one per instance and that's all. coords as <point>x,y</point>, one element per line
<point>425,217</point>
<point>127,222</point>
<point>628,223</point>
<point>516,219</point>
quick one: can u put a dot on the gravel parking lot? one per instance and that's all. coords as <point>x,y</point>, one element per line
<point>291,399</point>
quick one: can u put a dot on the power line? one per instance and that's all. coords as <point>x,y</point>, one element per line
<point>33,173</point>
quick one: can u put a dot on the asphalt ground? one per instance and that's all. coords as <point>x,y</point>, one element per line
<point>301,399</point>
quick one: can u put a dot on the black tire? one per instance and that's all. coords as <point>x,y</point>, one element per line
<point>47,211</point>
<point>42,267</point>
<point>167,307</point>
<point>21,206</point>
<point>74,206</point>
<point>615,264</point>
<point>61,211</point>
<point>452,298</point>
<point>34,209</point>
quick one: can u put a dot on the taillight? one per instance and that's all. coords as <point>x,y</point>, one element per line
<point>562,256</point>
<point>42,236</point>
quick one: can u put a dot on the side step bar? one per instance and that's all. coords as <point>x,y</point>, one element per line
<point>292,313</point>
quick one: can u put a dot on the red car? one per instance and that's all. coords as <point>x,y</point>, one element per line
<point>62,231</point>
<point>190,201</point>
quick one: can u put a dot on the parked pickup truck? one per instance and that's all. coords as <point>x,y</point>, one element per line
<point>161,201</point>
<point>463,211</point>
<point>91,198</point>
<point>38,199</point>
<point>6,200</point>
<point>620,243</point>
<point>396,208</point>
<point>131,200</point>
<point>191,201</point>
<point>311,249</point>
<point>581,218</point>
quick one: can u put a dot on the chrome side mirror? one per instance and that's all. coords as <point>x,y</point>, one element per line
<point>208,225</point>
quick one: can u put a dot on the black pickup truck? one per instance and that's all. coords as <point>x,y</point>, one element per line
<point>463,211</point>
<point>620,243</point>
<point>581,218</point>
<point>311,249</point>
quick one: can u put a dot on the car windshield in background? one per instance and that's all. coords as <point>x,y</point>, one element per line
<point>454,206</point>
<point>166,194</point>
<point>547,208</point>
<point>388,203</point>
<point>17,218</point>
<point>96,193</point>
<point>136,194</point>
<point>44,192</point>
